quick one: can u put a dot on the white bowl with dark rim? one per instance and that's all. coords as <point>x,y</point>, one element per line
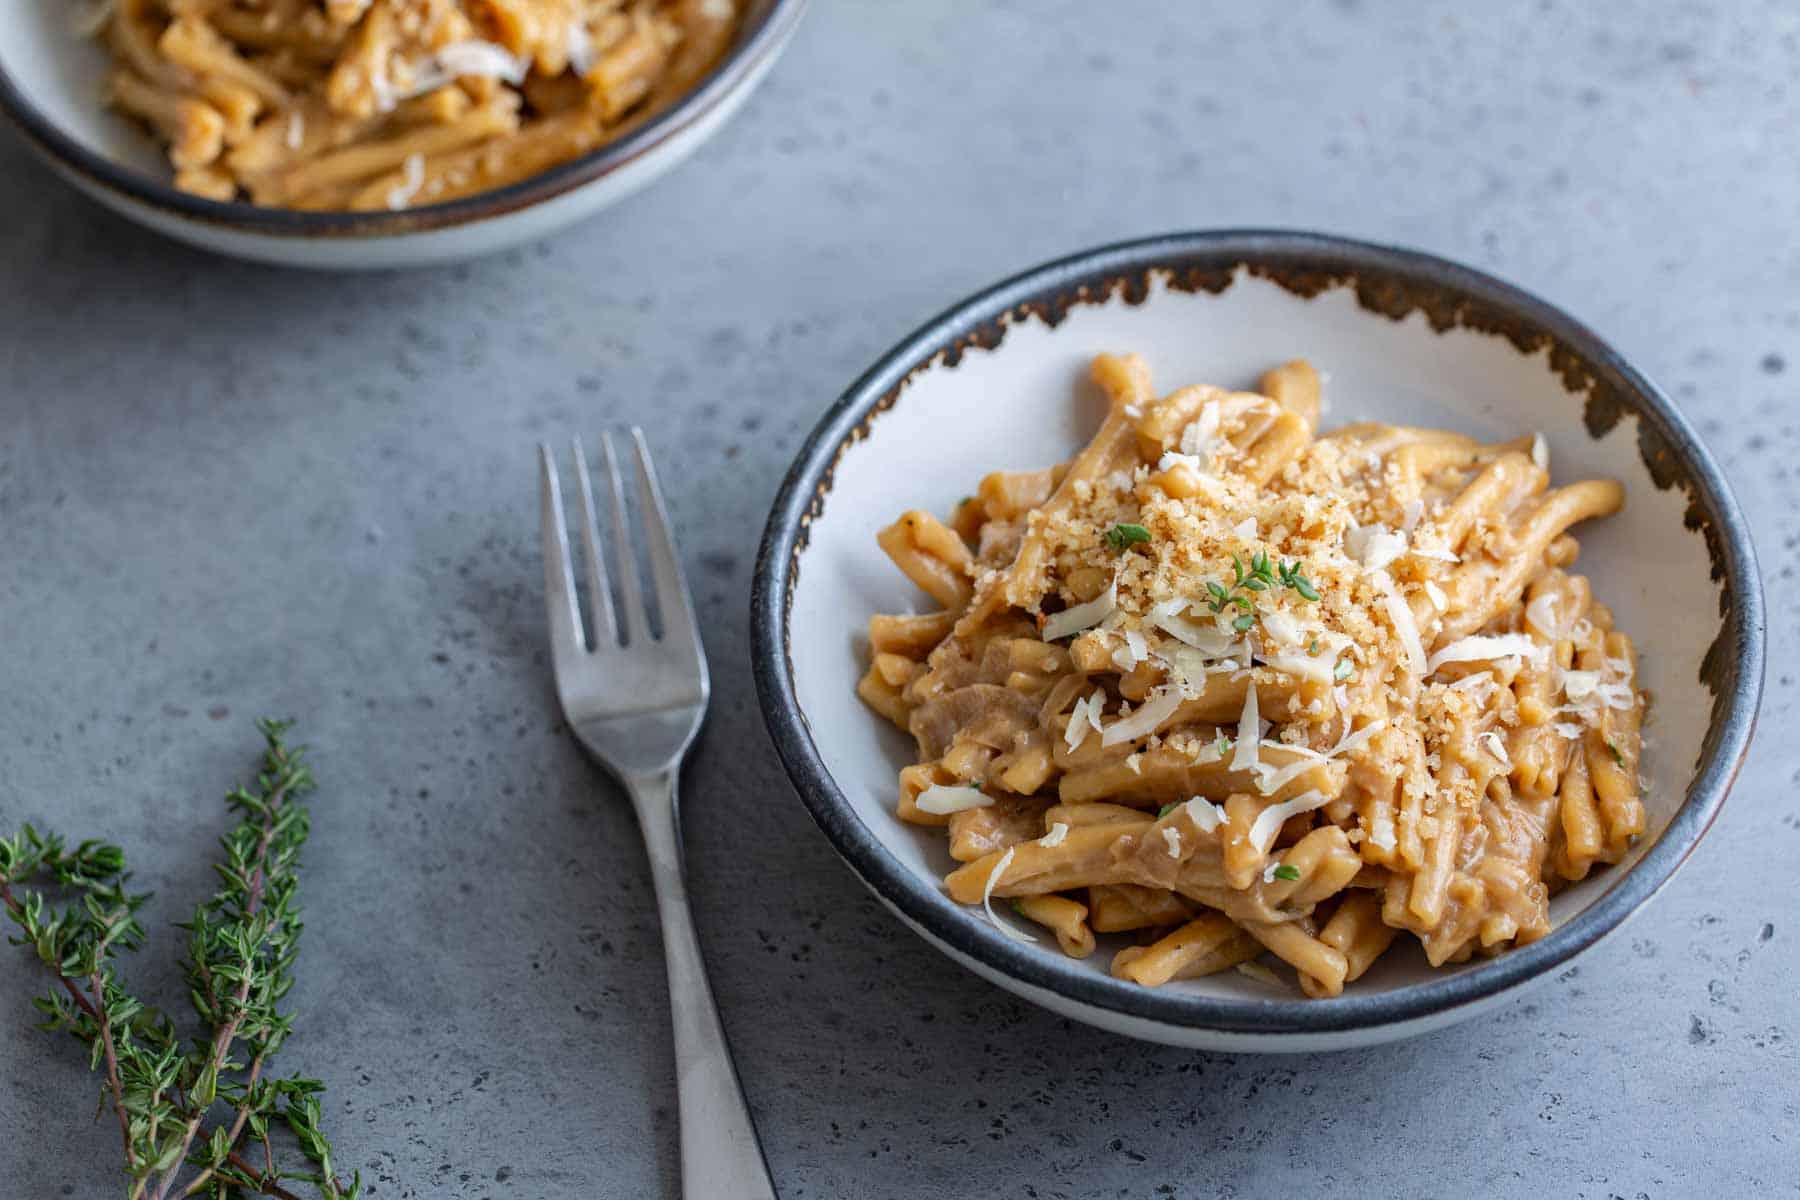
<point>998,381</point>
<point>50,88</point>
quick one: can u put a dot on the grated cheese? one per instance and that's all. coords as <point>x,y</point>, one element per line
<point>1496,747</point>
<point>1382,833</point>
<point>1084,715</point>
<point>479,58</point>
<point>1082,616</point>
<point>1410,514</point>
<point>581,48</point>
<point>1540,614</point>
<point>1205,815</point>
<point>1246,529</point>
<point>1400,615</point>
<point>1172,837</point>
<point>1435,594</point>
<point>1374,546</point>
<point>296,130</point>
<point>1249,736</point>
<point>412,178</point>
<point>1058,832</point>
<point>1175,458</point>
<point>1281,627</point>
<point>1158,707</point>
<point>987,900</point>
<point>1269,821</point>
<point>941,801</point>
<point>1483,648</point>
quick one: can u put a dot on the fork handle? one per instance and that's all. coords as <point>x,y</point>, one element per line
<point>720,1156</point>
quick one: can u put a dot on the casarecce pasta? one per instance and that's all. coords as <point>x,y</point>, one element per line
<point>389,104</point>
<point>1236,688</point>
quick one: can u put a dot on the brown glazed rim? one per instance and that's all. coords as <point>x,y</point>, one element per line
<point>756,43</point>
<point>1389,281</point>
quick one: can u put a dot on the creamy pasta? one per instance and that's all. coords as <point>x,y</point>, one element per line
<point>390,104</point>
<point>1234,688</point>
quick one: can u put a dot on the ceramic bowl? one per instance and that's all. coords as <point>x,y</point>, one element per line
<point>50,87</point>
<point>998,381</point>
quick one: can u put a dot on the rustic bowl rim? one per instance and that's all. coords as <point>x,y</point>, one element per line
<point>1094,275</point>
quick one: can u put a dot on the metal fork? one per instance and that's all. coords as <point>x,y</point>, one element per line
<point>635,698</point>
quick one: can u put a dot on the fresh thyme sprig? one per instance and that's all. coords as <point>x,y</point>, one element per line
<point>1263,574</point>
<point>1125,535</point>
<point>241,949</point>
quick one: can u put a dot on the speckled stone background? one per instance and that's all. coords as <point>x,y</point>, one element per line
<point>228,490</point>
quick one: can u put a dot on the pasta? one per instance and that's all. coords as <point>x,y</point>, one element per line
<point>1237,689</point>
<point>390,104</point>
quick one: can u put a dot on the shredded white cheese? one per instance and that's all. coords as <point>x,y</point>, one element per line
<point>1374,546</point>
<point>1540,614</point>
<point>1435,594</point>
<point>1269,821</point>
<point>987,900</point>
<point>1381,833</point>
<point>1410,513</point>
<point>580,48</point>
<point>478,58</point>
<point>1058,832</point>
<point>1172,838</point>
<point>1405,628</point>
<point>1491,741</point>
<point>1158,707</point>
<point>412,178</point>
<point>1206,816</point>
<point>1084,716</point>
<point>1246,529</point>
<point>1269,871</point>
<point>1282,629</point>
<point>296,130</point>
<point>1249,738</point>
<point>1080,617</point>
<point>1175,458</point>
<point>941,801</point>
<point>1484,648</point>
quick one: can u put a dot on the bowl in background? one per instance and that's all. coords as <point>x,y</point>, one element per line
<point>51,87</point>
<point>999,382</point>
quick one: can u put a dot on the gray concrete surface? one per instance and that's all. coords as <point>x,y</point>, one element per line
<point>227,491</point>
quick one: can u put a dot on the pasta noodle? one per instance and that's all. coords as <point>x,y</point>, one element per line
<point>373,104</point>
<point>1238,688</point>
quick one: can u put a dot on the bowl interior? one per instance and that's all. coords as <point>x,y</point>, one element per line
<point>59,70</point>
<point>1025,403</point>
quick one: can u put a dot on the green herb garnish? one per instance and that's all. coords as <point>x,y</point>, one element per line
<point>1313,647</point>
<point>1263,574</point>
<point>1343,670</point>
<point>165,1087</point>
<point>1121,536</point>
<point>1243,622</point>
<point>1223,745</point>
<point>1166,809</point>
<point>1287,871</point>
<point>1617,756</point>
